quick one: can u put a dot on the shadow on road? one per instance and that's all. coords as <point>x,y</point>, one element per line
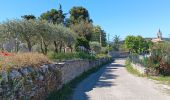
<point>100,79</point>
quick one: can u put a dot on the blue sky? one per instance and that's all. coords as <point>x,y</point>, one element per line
<point>116,17</point>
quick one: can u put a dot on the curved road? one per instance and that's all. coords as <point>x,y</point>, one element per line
<point>113,82</point>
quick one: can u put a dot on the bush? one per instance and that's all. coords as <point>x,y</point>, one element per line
<point>95,46</point>
<point>23,60</point>
<point>160,58</point>
<point>104,50</point>
<point>69,56</point>
<point>82,42</point>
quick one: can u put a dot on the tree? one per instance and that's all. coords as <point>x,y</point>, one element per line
<point>116,43</point>
<point>20,29</point>
<point>78,14</point>
<point>44,35</point>
<point>99,35</point>
<point>28,17</point>
<point>82,42</point>
<point>83,29</point>
<point>95,46</point>
<point>136,44</point>
<point>54,16</point>
<point>62,37</point>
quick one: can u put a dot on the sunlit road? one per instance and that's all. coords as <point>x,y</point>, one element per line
<point>113,82</point>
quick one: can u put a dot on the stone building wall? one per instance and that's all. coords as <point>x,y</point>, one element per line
<point>35,83</point>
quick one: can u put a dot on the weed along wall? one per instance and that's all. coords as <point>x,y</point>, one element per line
<point>36,83</point>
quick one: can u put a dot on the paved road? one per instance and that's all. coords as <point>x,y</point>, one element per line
<point>113,82</point>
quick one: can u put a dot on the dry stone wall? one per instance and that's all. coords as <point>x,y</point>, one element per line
<point>35,83</point>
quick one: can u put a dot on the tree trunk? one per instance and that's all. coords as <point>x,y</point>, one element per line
<point>45,49</point>
<point>61,46</point>
<point>56,46</point>
<point>42,50</point>
<point>29,46</point>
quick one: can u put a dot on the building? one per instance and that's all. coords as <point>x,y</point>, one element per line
<point>159,37</point>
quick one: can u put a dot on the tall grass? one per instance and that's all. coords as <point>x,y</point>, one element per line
<point>23,60</point>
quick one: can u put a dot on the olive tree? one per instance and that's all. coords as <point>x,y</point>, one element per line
<point>62,37</point>
<point>44,35</point>
<point>83,29</point>
<point>20,29</point>
<point>38,32</point>
<point>95,46</point>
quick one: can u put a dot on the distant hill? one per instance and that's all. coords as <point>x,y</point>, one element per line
<point>165,39</point>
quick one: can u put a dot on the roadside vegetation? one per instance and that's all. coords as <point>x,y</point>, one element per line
<point>53,36</point>
<point>130,69</point>
<point>153,56</point>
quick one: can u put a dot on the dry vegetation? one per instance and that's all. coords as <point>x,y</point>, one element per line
<point>23,60</point>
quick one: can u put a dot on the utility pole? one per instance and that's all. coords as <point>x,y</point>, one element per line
<point>100,38</point>
<point>108,45</point>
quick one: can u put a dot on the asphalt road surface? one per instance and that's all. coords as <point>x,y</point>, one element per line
<point>113,82</point>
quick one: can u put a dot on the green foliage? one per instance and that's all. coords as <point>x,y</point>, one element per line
<point>38,32</point>
<point>160,58</point>
<point>83,29</point>
<point>82,42</point>
<point>123,47</point>
<point>54,16</point>
<point>99,35</point>
<point>28,17</point>
<point>78,14</point>
<point>95,46</point>
<point>136,44</point>
<point>104,50</point>
<point>116,43</point>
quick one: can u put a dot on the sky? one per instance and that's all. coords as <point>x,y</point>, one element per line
<point>116,17</point>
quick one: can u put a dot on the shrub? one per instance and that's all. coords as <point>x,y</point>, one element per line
<point>160,58</point>
<point>24,60</point>
<point>137,44</point>
<point>95,46</point>
<point>104,50</point>
<point>82,42</point>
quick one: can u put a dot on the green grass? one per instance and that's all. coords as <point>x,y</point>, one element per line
<point>131,70</point>
<point>66,92</point>
<point>162,79</point>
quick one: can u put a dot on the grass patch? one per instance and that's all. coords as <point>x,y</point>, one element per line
<point>131,70</point>
<point>162,79</point>
<point>66,92</point>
